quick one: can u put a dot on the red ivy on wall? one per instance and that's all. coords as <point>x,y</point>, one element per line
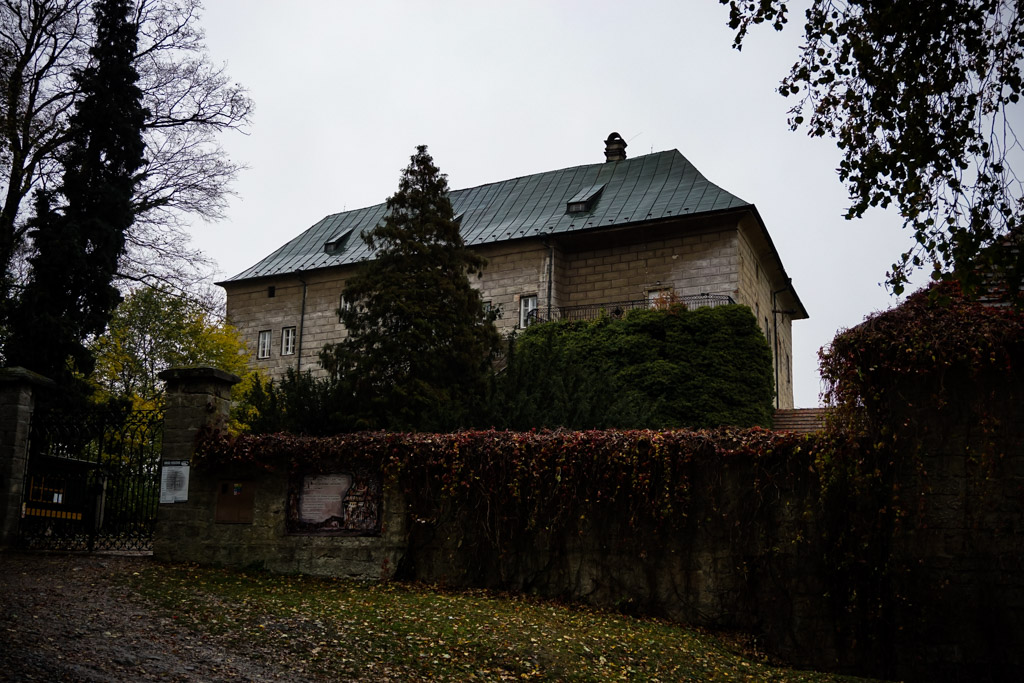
<point>530,477</point>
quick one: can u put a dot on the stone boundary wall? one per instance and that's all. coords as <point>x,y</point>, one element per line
<point>799,420</point>
<point>18,388</point>
<point>190,532</point>
<point>725,569</point>
<point>750,556</point>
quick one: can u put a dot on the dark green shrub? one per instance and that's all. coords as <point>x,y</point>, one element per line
<point>654,368</point>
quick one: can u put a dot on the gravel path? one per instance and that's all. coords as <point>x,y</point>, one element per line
<point>64,618</point>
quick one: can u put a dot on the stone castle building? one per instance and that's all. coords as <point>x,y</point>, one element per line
<point>570,243</point>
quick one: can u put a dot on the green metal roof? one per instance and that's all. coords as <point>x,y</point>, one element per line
<point>645,188</point>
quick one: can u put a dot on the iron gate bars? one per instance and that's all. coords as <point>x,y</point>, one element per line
<point>93,480</point>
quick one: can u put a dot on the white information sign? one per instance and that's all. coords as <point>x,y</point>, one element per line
<point>174,481</point>
<point>322,497</point>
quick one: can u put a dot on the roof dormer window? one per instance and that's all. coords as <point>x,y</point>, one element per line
<point>585,199</point>
<point>336,245</point>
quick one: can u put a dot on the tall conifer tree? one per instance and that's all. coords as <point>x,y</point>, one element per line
<point>69,296</point>
<point>419,340</point>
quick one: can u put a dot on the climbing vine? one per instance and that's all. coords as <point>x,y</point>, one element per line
<point>937,351</point>
<point>938,375</point>
<point>932,382</point>
<point>528,481</point>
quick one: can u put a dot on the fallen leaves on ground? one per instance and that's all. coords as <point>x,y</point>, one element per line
<point>339,629</point>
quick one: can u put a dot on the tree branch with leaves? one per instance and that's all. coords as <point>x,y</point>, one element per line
<point>922,98</point>
<point>70,294</point>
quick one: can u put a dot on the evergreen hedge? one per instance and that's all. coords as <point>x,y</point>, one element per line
<point>657,369</point>
<point>652,369</point>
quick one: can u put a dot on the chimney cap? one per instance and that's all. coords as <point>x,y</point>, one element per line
<point>614,147</point>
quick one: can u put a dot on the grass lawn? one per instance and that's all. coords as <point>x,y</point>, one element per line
<point>339,629</point>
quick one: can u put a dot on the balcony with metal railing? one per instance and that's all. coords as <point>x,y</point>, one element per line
<point>618,309</point>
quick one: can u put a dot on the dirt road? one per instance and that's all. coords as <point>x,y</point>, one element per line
<point>65,618</point>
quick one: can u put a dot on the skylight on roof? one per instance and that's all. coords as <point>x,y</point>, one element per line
<point>336,245</point>
<point>585,199</point>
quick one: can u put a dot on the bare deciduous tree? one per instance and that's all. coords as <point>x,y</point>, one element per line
<point>189,99</point>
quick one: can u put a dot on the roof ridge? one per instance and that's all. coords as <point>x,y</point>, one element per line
<point>529,175</point>
<point>648,187</point>
<point>570,168</point>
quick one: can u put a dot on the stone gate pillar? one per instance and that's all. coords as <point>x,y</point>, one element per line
<point>195,397</point>
<point>17,400</point>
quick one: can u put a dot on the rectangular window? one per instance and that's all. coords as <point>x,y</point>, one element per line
<point>287,341</point>
<point>343,306</point>
<point>527,310</point>
<point>659,298</point>
<point>263,348</point>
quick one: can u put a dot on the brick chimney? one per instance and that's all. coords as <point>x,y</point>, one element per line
<point>615,148</point>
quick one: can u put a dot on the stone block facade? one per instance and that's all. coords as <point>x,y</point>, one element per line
<point>690,256</point>
<point>650,228</point>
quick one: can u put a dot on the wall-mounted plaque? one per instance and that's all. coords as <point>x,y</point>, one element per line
<point>236,502</point>
<point>342,503</point>
<point>322,499</point>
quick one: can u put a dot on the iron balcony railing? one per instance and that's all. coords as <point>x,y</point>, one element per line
<point>617,309</point>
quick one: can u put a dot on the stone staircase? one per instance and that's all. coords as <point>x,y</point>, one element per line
<point>799,420</point>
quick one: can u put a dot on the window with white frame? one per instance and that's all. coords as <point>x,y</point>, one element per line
<point>263,347</point>
<point>527,310</point>
<point>343,305</point>
<point>659,297</point>
<point>287,341</point>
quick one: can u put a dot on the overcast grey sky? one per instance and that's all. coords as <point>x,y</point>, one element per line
<point>345,91</point>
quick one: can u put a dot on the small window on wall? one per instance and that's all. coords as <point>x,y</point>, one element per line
<point>343,305</point>
<point>287,341</point>
<point>659,298</point>
<point>527,310</point>
<point>263,347</point>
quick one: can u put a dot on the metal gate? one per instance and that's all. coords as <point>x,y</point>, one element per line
<point>92,481</point>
